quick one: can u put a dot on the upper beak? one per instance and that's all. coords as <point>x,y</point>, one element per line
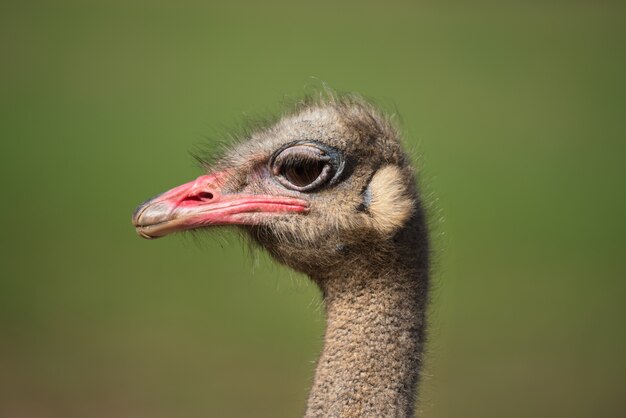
<point>201,203</point>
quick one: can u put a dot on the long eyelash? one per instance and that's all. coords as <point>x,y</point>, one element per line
<point>293,160</point>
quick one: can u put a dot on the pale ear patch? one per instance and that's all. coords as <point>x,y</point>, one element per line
<point>390,203</point>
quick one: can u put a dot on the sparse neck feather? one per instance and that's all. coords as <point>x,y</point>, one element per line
<point>374,339</point>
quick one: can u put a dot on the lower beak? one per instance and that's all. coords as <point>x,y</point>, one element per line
<point>200,203</point>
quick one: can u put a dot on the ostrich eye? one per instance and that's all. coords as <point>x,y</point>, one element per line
<point>303,167</point>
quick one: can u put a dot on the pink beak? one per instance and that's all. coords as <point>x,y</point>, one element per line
<point>200,203</point>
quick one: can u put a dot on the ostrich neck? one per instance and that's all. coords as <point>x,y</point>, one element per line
<point>373,343</point>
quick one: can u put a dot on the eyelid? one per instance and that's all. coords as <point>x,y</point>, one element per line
<point>302,155</point>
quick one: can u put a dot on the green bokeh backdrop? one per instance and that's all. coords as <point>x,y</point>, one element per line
<point>514,111</point>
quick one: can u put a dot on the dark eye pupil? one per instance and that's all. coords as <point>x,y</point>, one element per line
<point>303,173</point>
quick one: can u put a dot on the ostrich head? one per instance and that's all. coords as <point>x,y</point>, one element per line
<point>326,187</point>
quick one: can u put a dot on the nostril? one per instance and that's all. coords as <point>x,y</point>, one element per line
<point>201,197</point>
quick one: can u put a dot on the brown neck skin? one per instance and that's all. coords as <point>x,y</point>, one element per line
<point>374,339</point>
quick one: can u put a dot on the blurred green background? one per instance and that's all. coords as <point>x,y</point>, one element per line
<point>514,111</point>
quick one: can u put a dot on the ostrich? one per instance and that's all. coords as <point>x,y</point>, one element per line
<point>328,191</point>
